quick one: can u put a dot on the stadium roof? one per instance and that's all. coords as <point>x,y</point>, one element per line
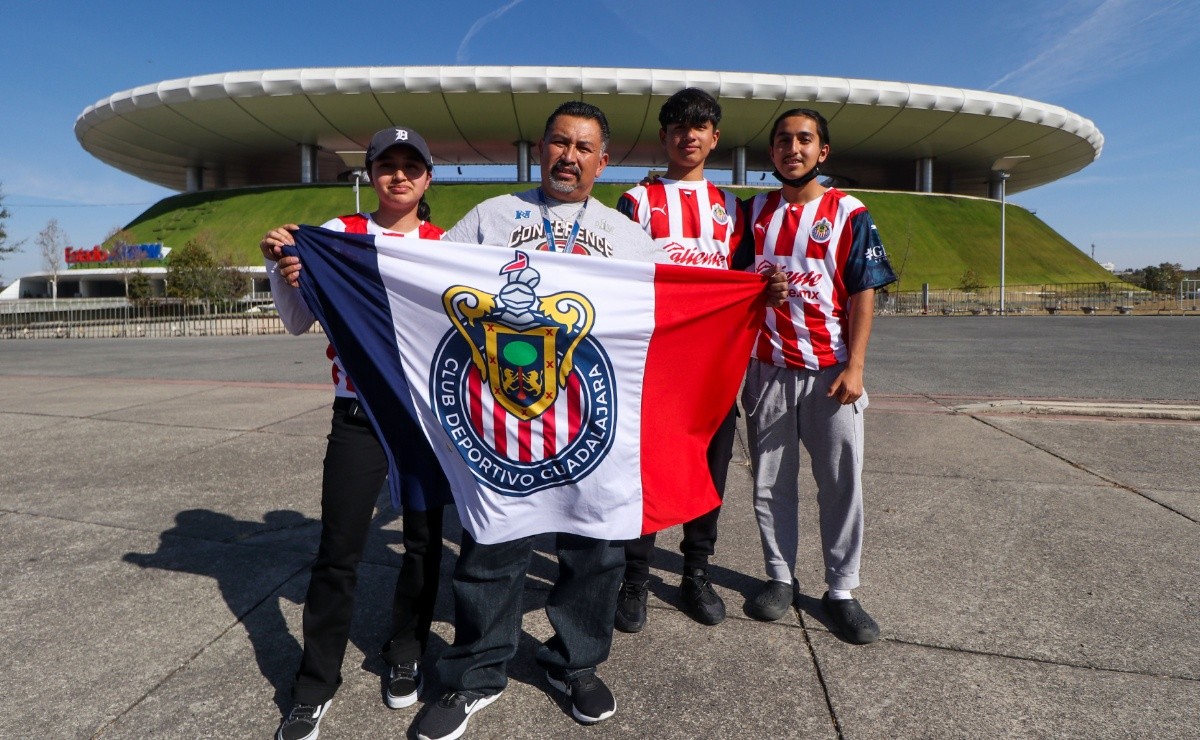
<point>248,128</point>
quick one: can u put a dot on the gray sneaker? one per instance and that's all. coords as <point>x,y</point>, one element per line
<point>772,602</point>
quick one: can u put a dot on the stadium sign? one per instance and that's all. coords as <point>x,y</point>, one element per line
<point>123,253</point>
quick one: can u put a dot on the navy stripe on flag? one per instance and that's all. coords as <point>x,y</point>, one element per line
<point>340,283</point>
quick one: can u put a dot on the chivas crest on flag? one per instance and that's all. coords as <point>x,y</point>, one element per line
<point>521,388</point>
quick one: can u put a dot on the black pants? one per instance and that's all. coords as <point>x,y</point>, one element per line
<point>700,534</point>
<point>355,470</point>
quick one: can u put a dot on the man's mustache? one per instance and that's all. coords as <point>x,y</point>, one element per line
<point>563,167</point>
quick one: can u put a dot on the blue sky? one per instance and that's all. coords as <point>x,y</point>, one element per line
<point>1131,66</point>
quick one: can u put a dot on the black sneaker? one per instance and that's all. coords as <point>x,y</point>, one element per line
<point>631,607</point>
<point>403,685</point>
<point>447,719</point>
<point>591,701</point>
<point>303,722</point>
<point>700,601</point>
<point>772,602</point>
<point>850,620</point>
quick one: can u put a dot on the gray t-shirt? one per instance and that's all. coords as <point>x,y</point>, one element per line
<point>516,221</point>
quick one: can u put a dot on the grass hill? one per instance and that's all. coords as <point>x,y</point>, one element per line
<point>930,238</point>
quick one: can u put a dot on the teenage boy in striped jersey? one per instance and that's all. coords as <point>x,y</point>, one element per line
<point>804,384</point>
<point>698,224</point>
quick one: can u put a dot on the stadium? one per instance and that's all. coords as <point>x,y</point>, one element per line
<point>933,158</point>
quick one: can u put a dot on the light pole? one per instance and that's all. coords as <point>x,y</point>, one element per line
<point>359,177</point>
<point>355,159</point>
<point>1002,167</point>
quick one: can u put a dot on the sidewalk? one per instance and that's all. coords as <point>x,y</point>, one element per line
<point>1035,575</point>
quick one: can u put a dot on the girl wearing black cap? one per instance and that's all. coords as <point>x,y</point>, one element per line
<point>355,466</point>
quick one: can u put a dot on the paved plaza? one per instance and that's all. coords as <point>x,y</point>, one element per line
<point>1034,566</point>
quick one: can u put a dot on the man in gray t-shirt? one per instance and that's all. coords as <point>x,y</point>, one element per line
<point>489,579</point>
<point>516,221</point>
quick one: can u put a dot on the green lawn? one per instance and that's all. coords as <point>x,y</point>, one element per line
<point>930,238</point>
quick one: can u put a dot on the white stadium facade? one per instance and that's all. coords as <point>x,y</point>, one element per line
<point>271,127</point>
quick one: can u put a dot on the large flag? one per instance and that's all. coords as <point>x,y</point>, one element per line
<point>560,393</point>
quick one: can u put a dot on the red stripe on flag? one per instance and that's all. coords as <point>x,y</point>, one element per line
<point>694,366</point>
<point>499,430</point>
<point>524,435</point>
<point>549,441</point>
<point>474,388</point>
<point>574,406</point>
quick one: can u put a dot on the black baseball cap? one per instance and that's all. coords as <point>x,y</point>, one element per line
<point>398,136</point>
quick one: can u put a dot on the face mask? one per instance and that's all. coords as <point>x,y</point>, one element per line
<point>798,182</point>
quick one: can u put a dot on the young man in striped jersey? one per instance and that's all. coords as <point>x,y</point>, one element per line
<point>695,223</point>
<point>804,384</point>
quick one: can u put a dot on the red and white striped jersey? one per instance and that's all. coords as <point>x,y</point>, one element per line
<point>695,222</point>
<point>362,223</point>
<point>830,250</point>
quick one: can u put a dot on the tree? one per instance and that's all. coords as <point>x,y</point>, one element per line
<point>6,247</point>
<point>231,283</point>
<point>138,288</point>
<point>192,273</point>
<point>52,241</point>
<point>123,256</point>
<point>970,282</point>
<point>1163,278</point>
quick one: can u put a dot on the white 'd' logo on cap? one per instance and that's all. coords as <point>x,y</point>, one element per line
<point>401,135</point>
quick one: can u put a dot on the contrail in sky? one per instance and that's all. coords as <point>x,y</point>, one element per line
<point>1117,35</point>
<point>461,57</point>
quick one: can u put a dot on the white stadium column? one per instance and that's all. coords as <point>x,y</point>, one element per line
<point>739,165</point>
<point>195,178</point>
<point>925,175</point>
<point>308,163</point>
<point>523,164</point>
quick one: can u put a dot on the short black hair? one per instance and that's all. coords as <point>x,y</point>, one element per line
<point>690,106</point>
<point>580,109</point>
<point>822,124</point>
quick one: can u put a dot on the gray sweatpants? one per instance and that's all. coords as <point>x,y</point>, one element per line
<point>786,408</point>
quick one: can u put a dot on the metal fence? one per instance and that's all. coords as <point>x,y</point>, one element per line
<point>44,318</point>
<point>117,317</point>
<point>1078,298</point>
<point>1189,295</point>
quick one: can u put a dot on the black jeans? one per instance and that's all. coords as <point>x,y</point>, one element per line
<point>700,534</point>
<point>488,585</point>
<point>355,470</point>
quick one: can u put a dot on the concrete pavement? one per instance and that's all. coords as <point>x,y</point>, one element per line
<point>1035,575</point>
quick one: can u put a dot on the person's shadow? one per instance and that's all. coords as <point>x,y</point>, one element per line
<point>198,544</point>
